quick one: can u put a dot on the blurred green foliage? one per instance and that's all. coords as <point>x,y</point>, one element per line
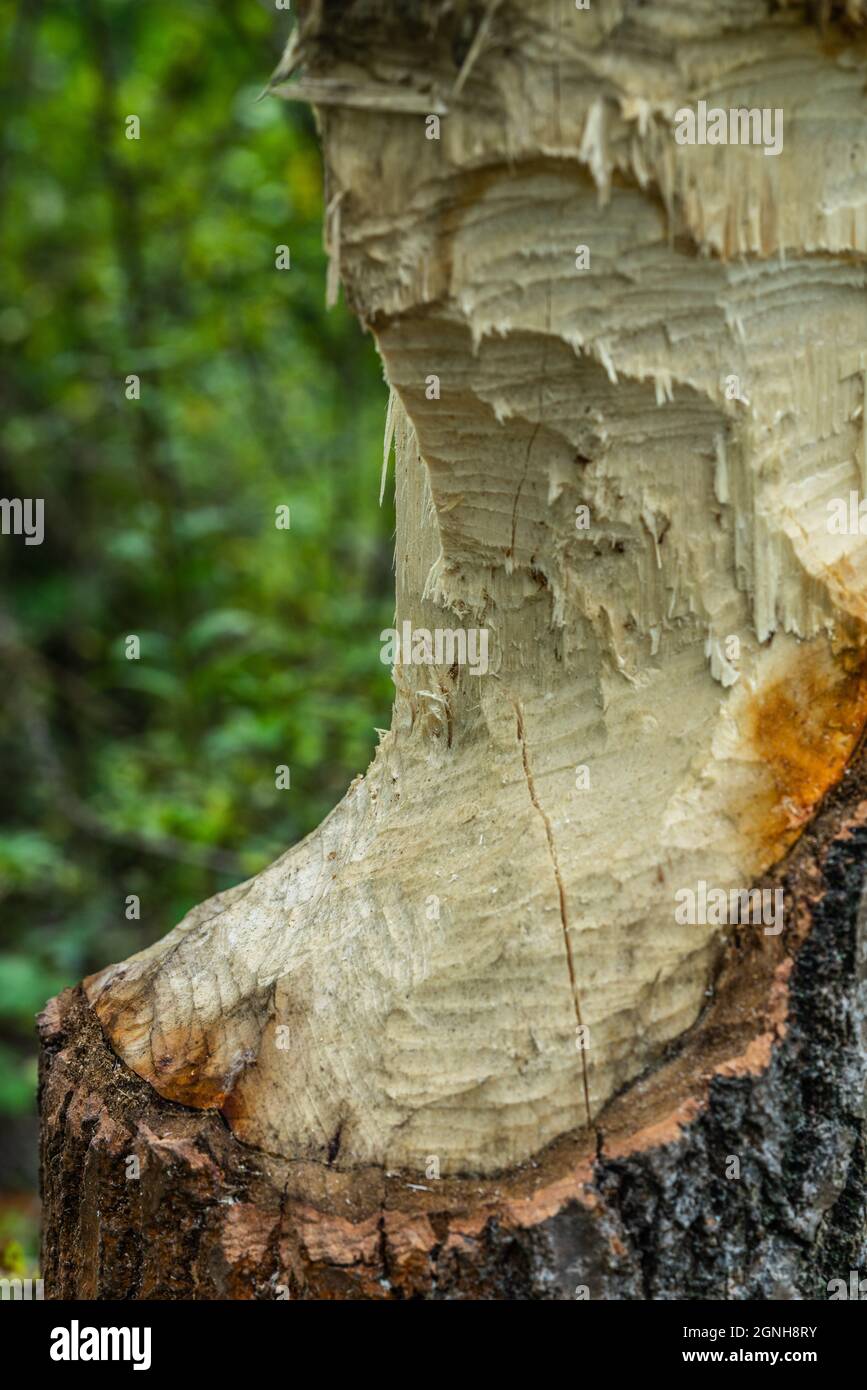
<point>259,646</point>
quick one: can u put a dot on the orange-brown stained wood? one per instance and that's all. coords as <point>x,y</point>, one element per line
<point>188,1083</point>
<point>804,728</point>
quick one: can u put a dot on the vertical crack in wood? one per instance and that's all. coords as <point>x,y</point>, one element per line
<point>561,891</point>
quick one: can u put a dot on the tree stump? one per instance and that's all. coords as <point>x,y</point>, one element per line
<point>566,998</point>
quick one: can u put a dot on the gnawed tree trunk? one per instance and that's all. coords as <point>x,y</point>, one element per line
<point>460,1041</point>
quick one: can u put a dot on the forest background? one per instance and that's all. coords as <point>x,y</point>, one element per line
<point>155,778</point>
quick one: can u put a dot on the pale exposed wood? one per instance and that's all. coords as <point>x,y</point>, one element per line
<point>375,97</point>
<point>415,1036</point>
